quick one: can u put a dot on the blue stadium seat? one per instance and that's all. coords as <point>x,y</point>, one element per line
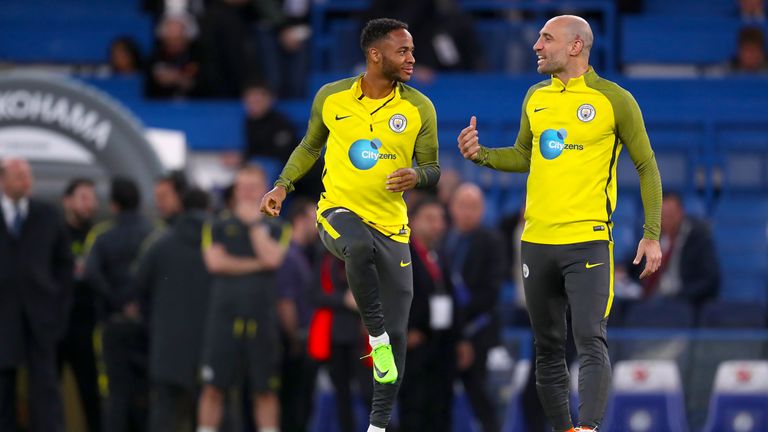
<point>646,396</point>
<point>662,313</point>
<point>119,87</point>
<point>740,398</point>
<point>709,354</point>
<point>691,7</point>
<point>65,38</point>
<point>656,314</point>
<point>740,225</point>
<point>732,315</point>
<point>207,125</point>
<point>686,39</point>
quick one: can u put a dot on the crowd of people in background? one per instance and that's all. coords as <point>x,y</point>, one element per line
<point>166,321</point>
<point>220,48</point>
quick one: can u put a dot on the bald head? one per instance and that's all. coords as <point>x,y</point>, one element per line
<point>16,178</point>
<point>578,28</point>
<point>562,48</point>
<point>575,28</point>
<point>467,207</point>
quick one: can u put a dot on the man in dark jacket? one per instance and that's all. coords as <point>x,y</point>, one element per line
<point>475,262</point>
<point>427,392</point>
<point>689,267</point>
<point>35,283</point>
<point>113,247</point>
<point>173,280</point>
<point>295,280</point>
<point>347,339</point>
<point>76,348</point>
<point>270,134</point>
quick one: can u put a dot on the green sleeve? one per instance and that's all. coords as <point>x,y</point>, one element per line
<point>425,148</point>
<point>518,157</point>
<point>308,151</point>
<point>630,130</point>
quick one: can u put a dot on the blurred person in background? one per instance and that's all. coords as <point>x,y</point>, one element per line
<point>443,32</point>
<point>112,249</point>
<point>174,285</point>
<point>295,281</point>
<point>125,57</point>
<point>169,191</point>
<point>450,179</point>
<point>35,290</point>
<point>228,40</point>
<point>752,11</point>
<point>242,250</point>
<point>474,259</point>
<point>338,337</point>
<point>270,134</point>
<point>689,270</point>
<point>750,54</point>
<point>427,392</point>
<point>80,205</point>
<point>174,67</point>
<point>285,48</point>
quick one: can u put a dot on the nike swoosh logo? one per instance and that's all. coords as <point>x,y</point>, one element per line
<point>539,109</point>
<point>589,266</point>
<point>379,373</point>
<point>404,264</point>
<point>342,117</point>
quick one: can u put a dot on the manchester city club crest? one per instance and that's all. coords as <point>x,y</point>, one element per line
<point>586,112</point>
<point>397,123</point>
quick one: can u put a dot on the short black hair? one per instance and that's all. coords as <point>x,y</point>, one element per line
<point>178,181</point>
<point>298,207</point>
<point>195,199</point>
<point>125,193</point>
<point>673,195</point>
<point>422,204</point>
<point>257,83</point>
<point>377,29</point>
<point>752,36</point>
<point>76,183</point>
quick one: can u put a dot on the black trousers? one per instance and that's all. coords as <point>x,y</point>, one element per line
<point>346,369</point>
<point>76,350</point>
<point>426,396</point>
<point>580,277</point>
<point>124,353</point>
<point>299,372</point>
<point>381,279</point>
<point>46,410</point>
<point>172,408</point>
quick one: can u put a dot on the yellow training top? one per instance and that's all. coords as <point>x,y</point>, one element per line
<point>367,139</point>
<point>570,139</point>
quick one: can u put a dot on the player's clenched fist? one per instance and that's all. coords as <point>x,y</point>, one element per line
<point>469,143</point>
<point>273,201</point>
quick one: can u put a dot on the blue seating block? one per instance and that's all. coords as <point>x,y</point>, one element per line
<point>699,40</point>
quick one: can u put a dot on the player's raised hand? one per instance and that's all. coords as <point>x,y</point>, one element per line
<point>651,249</point>
<point>272,201</point>
<point>402,180</point>
<point>469,142</point>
